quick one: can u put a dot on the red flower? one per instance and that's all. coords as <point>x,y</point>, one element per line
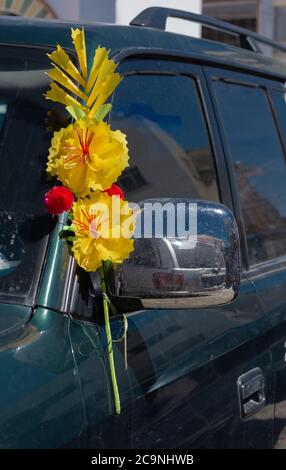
<point>114,190</point>
<point>58,200</point>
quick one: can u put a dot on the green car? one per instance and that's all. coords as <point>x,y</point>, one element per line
<point>206,344</point>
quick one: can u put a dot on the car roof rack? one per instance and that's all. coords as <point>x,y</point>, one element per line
<point>156,17</point>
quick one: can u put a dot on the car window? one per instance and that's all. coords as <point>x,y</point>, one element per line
<point>279,103</point>
<point>259,166</point>
<point>170,154</point>
<point>24,144</point>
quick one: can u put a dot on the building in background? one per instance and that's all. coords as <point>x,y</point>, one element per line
<point>109,11</point>
<point>36,8</point>
<point>267,17</point>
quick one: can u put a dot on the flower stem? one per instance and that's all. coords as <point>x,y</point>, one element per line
<point>109,343</point>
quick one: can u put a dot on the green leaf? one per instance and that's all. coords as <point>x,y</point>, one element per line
<point>76,112</point>
<point>102,112</point>
<point>67,232</point>
<point>69,228</point>
<point>71,239</point>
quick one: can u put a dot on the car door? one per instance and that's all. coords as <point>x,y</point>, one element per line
<point>270,267</point>
<point>252,116</point>
<point>180,387</point>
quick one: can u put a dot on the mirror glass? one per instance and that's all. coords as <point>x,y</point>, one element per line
<point>191,260</point>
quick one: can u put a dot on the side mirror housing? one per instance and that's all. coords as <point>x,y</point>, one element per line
<point>197,270</point>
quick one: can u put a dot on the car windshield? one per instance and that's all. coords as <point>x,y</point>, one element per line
<point>25,136</point>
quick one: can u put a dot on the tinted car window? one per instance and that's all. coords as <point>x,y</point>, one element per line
<point>24,143</point>
<point>259,167</point>
<point>167,137</point>
<point>279,102</point>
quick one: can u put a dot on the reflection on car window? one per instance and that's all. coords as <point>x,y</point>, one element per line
<point>259,166</point>
<point>24,143</point>
<point>167,137</point>
<point>279,102</point>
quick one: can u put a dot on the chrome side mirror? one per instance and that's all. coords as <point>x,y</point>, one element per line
<point>198,270</point>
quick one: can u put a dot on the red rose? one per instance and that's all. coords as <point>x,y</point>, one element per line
<point>114,190</point>
<point>58,200</point>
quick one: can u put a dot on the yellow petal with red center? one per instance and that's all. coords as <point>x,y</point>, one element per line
<point>95,245</point>
<point>78,38</point>
<point>87,156</point>
<point>61,58</point>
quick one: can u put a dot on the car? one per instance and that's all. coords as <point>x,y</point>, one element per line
<point>206,345</point>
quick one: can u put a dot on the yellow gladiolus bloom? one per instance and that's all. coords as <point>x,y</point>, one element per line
<point>87,155</point>
<point>103,228</point>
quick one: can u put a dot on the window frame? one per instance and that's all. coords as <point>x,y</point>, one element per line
<point>267,85</point>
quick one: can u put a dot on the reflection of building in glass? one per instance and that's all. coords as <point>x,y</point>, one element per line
<point>191,172</point>
<point>265,226</point>
<point>201,167</point>
<point>132,179</point>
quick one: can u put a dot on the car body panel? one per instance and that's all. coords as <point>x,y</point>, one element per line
<point>180,387</point>
<point>40,395</point>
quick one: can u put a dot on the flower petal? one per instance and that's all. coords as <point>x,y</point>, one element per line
<point>101,54</point>
<point>58,95</point>
<point>78,38</point>
<point>57,75</point>
<point>102,91</point>
<point>88,155</point>
<point>97,242</point>
<point>61,58</point>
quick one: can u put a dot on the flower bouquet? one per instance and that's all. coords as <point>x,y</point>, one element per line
<point>87,157</point>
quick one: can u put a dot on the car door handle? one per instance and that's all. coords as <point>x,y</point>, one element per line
<point>251,392</point>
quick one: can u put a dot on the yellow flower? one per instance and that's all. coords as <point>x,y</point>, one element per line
<point>92,88</point>
<point>103,228</point>
<point>87,155</point>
